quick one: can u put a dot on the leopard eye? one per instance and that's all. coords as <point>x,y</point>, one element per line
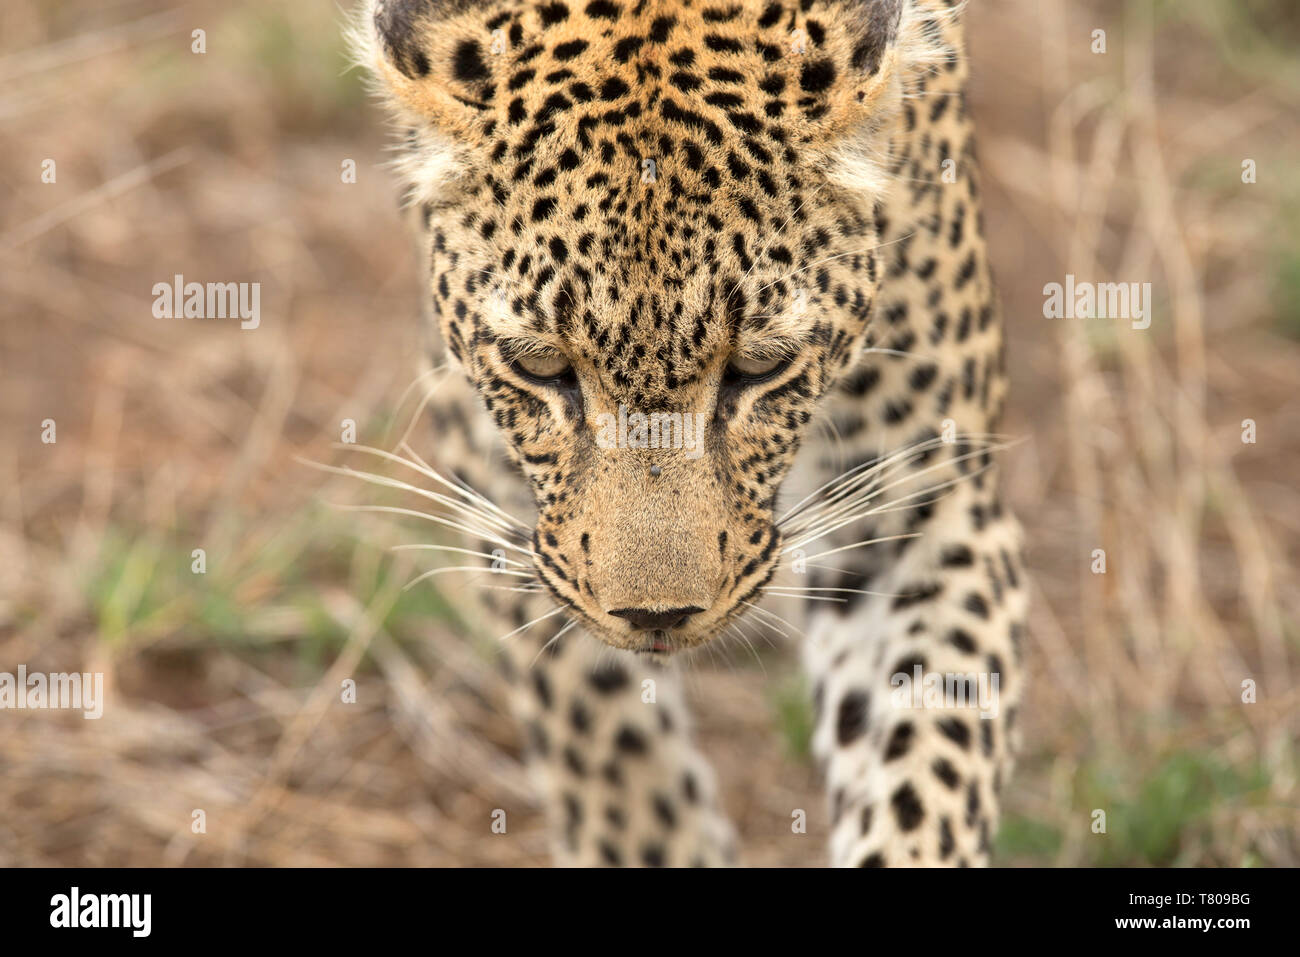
<point>755,368</point>
<point>544,366</point>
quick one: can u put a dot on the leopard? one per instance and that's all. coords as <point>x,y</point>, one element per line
<point>708,305</point>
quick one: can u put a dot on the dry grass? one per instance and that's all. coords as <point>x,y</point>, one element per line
<point>175,435</point>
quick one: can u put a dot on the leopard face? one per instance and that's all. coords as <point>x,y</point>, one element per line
<point>651,237</point>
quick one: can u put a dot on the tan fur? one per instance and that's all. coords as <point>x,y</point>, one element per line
<point>811,195</point>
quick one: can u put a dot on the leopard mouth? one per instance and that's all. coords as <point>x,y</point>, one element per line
<point>659,643</point>
<point>665,643</point>
<point>699,625</point>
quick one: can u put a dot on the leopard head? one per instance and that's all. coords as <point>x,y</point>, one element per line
<point>651,233</point>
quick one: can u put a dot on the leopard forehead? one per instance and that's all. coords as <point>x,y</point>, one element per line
<point>644,186</point>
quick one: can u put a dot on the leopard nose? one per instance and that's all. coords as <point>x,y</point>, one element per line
<point>646,620</point>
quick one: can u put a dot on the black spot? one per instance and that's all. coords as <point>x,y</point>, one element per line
<point>972,803</point>
<point>665,721</point>
<point>553,13</point>
<point>625,48</point>
<point>861,381</point>
<point>608,678</point>
<point>572,811</point>
<point>686,82</point>
<point>966,271</point>
<point>603,10</point>
<point>961,639</point>
<point>852,719</point>
<point>907,807</point>
<point>567,51</point>
<point>956,731</point>
<point>995,668</point>
<point>664,811</point>
<point>956,556</point>
<point>690,788</point>
<point>900,741</point>
<point>543,688</point>
<point>579,718</point>
<point>660,28</point>
<point>946,773</point>
<point>574,761</point>
<point>916,594</point>
<point>673,112</point>
<point>555,103</point>
<point>946,843</point>
<point>722,14</point>
<point>922,376</point>
<point>631,741</point>
<point>976,605</point>
<point>467,64</point>
<point>721,44</point>
<point>652,855</point>
<point>817,76</point>
<point>612,88</point>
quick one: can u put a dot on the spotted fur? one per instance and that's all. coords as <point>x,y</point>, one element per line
<point>650,190</point>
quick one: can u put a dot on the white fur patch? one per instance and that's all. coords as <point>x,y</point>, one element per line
<point>426,159</point>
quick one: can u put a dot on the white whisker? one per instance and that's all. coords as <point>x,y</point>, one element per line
<point>466,512</point>
<point>771,614</point>
<point>869,541</point>
<point>822,525</point>
<point>475,498</point>
<point>553,639</point>
<point>844,486</point>
<point>444,570</point>
<point>438,519</point>
<point>424,402</point>
<point>464,488</point>
<point>524,627</point>
<point>462,551</point>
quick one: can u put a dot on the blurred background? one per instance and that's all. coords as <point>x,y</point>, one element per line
<point>174,435</point>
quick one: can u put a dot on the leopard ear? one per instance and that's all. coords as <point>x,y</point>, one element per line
<point>876,35</point>
<point>867,47</point>
<point>432,58</point>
